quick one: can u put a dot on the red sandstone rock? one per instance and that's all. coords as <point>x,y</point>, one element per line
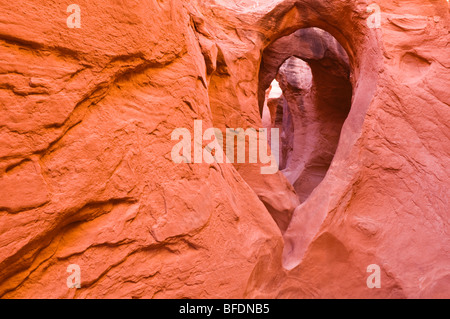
<point>86,175</point>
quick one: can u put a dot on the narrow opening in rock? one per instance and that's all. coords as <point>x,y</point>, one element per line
<point>305,91</point>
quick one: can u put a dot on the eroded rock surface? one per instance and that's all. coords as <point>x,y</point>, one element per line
<point>313,72</point>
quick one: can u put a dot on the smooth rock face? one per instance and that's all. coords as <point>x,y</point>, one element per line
<point>87,178</point>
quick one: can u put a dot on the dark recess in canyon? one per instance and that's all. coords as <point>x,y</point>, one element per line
<point>312,71</point>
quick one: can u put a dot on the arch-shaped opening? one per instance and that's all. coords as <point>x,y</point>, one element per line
<point>305,90</point>
<point>233,103</point>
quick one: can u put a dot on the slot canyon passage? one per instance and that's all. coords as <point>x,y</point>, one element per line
<point>87,178</point>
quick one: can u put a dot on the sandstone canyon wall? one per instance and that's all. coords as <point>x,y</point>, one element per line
<point>87,178</point>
